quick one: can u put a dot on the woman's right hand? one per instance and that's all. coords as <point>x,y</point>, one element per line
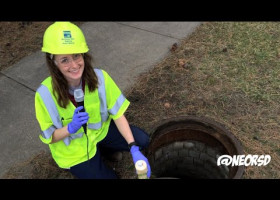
<point>79,118</point>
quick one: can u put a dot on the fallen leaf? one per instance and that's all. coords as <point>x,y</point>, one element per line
<point>167,105</point>
<point>182,62</point>
<point>174,47</point>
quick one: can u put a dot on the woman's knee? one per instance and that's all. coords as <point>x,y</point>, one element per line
<point>140,136</point>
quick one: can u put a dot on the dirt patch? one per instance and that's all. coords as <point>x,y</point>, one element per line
<point>20,39</point>
<point>42,166</point>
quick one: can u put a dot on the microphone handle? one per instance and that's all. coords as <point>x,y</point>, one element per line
<point>81,104</point>
<point>83,110</point>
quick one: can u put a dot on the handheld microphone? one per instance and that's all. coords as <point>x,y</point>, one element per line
<point>79,98</point>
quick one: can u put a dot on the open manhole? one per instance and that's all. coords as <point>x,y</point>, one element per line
<point>188,147</point>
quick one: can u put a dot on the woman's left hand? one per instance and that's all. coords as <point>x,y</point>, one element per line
<point>137,155</point>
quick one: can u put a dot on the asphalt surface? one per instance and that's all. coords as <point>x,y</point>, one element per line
<point>123,49</point>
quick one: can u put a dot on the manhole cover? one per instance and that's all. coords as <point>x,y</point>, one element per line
<point>188,147</point>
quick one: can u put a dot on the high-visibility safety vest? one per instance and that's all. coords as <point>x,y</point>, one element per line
<point>103,104</point>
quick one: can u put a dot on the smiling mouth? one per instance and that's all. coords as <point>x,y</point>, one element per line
<point>75,71</point>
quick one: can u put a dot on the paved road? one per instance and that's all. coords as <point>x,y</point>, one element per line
<point>123,49</point>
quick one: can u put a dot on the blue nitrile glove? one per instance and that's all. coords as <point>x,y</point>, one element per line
<point>79,118</point>
<point>137,155</point>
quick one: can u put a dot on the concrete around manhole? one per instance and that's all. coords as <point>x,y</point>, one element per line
<point>188,147</point>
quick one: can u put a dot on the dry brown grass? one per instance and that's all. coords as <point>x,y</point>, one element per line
<point>230,74</point>
<point>19,39</point>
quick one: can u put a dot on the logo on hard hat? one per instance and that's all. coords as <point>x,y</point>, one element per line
<point>67,38</point>
<point>67,34</point>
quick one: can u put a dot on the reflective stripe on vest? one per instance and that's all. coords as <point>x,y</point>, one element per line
<point>53,112</point>
<point>117,105</point>
<point>50,105</point>
<point>102,95</point>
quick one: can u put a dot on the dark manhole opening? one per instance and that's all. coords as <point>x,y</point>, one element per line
<point>188,147</point>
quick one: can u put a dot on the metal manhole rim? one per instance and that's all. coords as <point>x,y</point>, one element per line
<point>167,122</point>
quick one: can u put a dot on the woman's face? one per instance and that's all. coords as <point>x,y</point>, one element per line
<point>71,66</point>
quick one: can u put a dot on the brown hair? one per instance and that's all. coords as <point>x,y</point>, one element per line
<point>60,85</point>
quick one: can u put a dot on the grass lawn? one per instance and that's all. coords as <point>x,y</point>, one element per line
<point>227,71</point>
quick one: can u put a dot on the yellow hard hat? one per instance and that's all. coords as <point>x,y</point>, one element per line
<point>64,38</point>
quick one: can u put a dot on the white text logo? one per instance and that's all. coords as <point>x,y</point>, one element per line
<point>248,160</point>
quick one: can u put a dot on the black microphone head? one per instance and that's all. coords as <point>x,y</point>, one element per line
<point>79,95</point>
